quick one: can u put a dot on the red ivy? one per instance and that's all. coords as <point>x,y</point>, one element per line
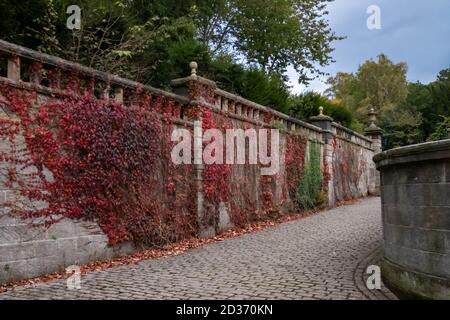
<point>85,158</point>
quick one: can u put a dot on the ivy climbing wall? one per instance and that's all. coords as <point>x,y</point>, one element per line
<point>86,171</point>
<point>351,167</point>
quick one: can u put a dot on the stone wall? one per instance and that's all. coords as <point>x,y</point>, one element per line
<point>27,251</point>
<point>352,170</point>
<point>415,190</point>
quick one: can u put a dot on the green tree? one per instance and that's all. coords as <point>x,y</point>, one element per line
<point>269,34</point>
<point>17,20</point>
<point>345,87</point>
<point>306,105</point>
<point>441,131</point>
<point>153,41</point>
<point>440,93</point>
<point>252,83</point>
<point>420,100</point>
<point>382,85</point>
<point>438,114</point>
<point>377,84</point>
<point>401,127</point>
<point>433,102</point>
<point>306,38</point>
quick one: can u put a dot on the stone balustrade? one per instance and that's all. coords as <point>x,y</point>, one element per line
<point>32,70</point>
<point>351,136</point>
<point>254,112</point>
<point>51,77</point>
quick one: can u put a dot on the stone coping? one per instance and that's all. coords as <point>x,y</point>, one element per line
<point>183,81</point>
<point>10,49</point>
<point>418,152</point>
<point>350,131</point>
<point>263,108</point>
<point>7,48</point>
<point>413,285</point>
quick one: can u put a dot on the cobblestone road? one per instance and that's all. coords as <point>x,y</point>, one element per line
<point>320,257</point>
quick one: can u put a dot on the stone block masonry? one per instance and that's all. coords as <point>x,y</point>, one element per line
<point>27,251</point>
<point>324,257</point>
<point>346,158</point>
<point>415,190</point>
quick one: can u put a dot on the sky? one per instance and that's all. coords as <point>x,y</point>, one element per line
<point>416,32</point>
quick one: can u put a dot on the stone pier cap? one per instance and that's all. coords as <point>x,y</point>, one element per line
<point>415,198</point>
<point>418,152</point>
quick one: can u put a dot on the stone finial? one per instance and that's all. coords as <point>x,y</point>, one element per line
<point>373,129</point>
<point>321,116</point>
<point>372,117</point>
<point>193,65</point>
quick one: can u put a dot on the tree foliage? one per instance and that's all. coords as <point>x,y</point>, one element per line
<point>380,85</point>
<point>270,34</point>
<point>154,41</point>
<point>408,112</point>
<point>377,84</point>
<point>307,105</point>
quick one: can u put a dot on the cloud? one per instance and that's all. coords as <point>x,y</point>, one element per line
<point>413,31</point>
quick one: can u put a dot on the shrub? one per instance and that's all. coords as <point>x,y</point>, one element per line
<point>307,105</point>
<point>309,186</point>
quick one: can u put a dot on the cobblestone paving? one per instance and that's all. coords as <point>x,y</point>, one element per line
<point>319,257</point>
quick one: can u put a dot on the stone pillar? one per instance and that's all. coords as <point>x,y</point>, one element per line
<point>415,201</point>
<point>14,68</point>
<point>105,92</point>
<point>199,91</point>
<point>118,95</point>
<point>194,87</point>
<point>224,106</point>
<point>376,134</point>
<point>325,123</point>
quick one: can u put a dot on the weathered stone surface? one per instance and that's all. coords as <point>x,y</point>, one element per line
<point>447,171</point>
<point>312,258</point>
<point>399,215</point>
<point>71,241</point>
<point>20,232</point>
<point>409,284</point>
<point>429,217</point>
<point>429,240</point>
<point>9,252</point>
<point>420,172</point>
<point>448,242</point>
<point>416,218</point>
<point>63,229</point>
<point>389,176</point>
<point>224,218</point>
<point>352,174</point>
<point>27,251</point>
<point>399,235</point>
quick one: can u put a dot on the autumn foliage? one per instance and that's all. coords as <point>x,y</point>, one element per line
<point>86,158</point>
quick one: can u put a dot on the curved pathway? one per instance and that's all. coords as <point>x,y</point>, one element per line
<point>320,257</point>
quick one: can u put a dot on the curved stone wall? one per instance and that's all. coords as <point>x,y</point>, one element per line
<point>415,191</point>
